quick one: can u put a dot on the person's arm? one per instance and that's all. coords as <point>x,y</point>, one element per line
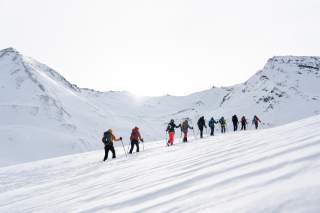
<point>140,138</point>
<point>117,139</point>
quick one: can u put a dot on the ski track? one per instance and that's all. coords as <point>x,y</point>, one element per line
<point>270,170</point>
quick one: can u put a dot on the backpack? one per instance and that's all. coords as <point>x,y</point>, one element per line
<point>222,121</point>
<point>135,135</point>
<point>184,125</point>
<point>201,122</point>
<point>211,123</point>
<point>107,138</point>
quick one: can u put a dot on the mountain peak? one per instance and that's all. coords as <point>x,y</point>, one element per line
<point>294,59</point>
<point>288,62</point>
<point>9,50</point>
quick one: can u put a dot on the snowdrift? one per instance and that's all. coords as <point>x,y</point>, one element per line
<point>270,170</point>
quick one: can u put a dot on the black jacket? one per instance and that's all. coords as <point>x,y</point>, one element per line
<point>235,119</point>
<point>201,123</point>
<point>172,126</point>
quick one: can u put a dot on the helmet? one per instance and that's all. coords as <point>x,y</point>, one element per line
<point>110,130</point>
<point>171,121</point>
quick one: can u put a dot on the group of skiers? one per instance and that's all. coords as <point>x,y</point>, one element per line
<point>109,138</point>
<point>184,126</point>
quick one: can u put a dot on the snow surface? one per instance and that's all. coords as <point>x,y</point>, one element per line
<point>269,170</point>
<point>43,115</point>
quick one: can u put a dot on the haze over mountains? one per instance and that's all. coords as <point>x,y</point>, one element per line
<point>43,115</point>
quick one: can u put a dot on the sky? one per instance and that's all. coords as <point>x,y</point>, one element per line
<point>158,47</point>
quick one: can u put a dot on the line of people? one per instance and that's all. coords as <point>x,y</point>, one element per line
<point>184,126</point>
<point>109,138</point>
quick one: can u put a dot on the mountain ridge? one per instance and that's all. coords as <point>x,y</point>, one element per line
<point>284,90</point>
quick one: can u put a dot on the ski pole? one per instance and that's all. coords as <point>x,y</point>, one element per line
<point>143,145</point>
<point>129,144</point>
<point>166,141</point>
<point>124,148</point>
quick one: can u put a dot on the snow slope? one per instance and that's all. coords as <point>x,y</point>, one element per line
<point>270,170</point>
<point>43,115</point>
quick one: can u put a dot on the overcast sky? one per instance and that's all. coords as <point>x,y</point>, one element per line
<point>157,47</point>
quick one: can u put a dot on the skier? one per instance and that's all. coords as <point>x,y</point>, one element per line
<point>108,139</point>
<point>244,123</point>
<point>171,131</point>
<point>235,122</point>
<point>223,124</point>
<point>201,123</point>
<point>212,122</point>
<point>134,138</point>
<point>184,128</point>
<point>256,121</point>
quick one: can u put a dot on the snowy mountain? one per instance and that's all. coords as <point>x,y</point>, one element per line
<point>43,115</point>
<point>270,170</point>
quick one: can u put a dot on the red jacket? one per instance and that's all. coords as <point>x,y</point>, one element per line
<point>135,135</point>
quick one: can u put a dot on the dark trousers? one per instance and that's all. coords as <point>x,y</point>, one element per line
<point>235,126</point>
<point>212,131</point>
<point>256,125</point>
<point>134,143</point>
<point>201,132</point>
<point>223,129</point>
<point>185,137</point>
<point>108,148</point>
<point>243,126</point>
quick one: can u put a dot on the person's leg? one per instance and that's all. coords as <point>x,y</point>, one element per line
<point>137,145</point>
<point>106,150</point>
<point>201,133</point>
<point>171,138</point>
<point>185,137</point>
<point>113,151</point>
<point>131,148</point>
